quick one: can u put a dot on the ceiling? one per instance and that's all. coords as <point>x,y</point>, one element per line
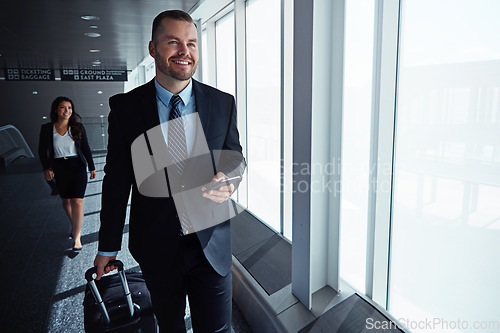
<point>51,33</point>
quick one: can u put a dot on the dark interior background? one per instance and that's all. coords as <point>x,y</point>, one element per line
<point>51,34</point>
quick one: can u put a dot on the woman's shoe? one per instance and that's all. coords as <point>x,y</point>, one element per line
<point>77,248</point>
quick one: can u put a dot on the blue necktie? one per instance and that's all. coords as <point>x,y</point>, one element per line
<point>177,148</point>
<point>176,135</point>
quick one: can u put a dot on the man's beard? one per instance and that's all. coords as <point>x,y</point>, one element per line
<point>169,71</point>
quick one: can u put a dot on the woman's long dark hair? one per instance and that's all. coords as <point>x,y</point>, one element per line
<point>75,121</point>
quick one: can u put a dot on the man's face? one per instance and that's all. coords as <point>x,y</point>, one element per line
<point>176,49</point>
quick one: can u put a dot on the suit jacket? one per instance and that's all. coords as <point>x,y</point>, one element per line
<point>46,148</point>
<point>153,224</point>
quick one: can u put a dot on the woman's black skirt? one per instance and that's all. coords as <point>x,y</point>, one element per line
<point>71,177</point>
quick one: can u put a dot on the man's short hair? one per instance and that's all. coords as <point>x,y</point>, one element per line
<point>178,15</point>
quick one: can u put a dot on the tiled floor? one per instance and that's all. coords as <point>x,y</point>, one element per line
<point>42,279</point>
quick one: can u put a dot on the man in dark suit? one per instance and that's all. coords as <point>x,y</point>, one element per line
<point>175,263</point>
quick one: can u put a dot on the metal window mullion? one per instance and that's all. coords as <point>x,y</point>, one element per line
<point>382,149</point>
<point>198,75</point>
<point>317,126</point>
<point>287,114</point>
<point>372,181</point>
<point>241,88</point>
<point>396,84</point>
<point>335,154</point>
<point>282,118</point>
<point>211,54</point>
<point>302,121</point>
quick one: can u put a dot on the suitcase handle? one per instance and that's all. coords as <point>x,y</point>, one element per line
<point>97,295</point>
<point>93,270</point>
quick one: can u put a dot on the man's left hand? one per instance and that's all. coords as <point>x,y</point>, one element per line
<point>220,194</point>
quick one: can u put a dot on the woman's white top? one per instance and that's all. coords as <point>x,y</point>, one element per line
<point>64,146</point>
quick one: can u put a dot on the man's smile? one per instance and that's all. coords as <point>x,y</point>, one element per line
<point>181,62</point>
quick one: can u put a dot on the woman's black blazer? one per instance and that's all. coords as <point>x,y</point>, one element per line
<point>46,148</point>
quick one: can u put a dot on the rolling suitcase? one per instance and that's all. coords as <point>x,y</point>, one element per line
<point>118,303</point>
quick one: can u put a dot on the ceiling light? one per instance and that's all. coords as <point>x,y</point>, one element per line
<point>93,26</point>
<point>102,116</point>
<point>101,105</point>
<point>99,92</point>
<point>44,117</point>
<point>95,51</point>
<point>35,92</point>
<point>92,34</point>
<point>96,62</point>
<point>90,18</point>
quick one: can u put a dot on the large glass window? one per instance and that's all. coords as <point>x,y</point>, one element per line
<point>224,48</point>
<point>263,33</point>
<point>446,211</point>
<point>150,71</point>
<point>204,56</point>
<point>356,140</point>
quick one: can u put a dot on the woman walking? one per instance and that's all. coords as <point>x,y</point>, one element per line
<point>64,152</point>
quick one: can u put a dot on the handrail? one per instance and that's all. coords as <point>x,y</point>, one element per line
<point>13,146</point>
<point>20,139</point>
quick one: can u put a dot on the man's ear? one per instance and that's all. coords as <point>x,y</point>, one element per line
<point>152,49</point>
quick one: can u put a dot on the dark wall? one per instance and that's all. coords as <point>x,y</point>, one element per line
<point>24,110</point>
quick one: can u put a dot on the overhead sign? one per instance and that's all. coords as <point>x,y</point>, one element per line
<point>93,75</point>
<point>29,74</point>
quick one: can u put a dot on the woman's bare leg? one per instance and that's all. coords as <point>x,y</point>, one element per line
<point>67,208</point>
<point>77,220</point>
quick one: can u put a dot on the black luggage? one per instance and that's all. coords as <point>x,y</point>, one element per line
<point>113,305</point>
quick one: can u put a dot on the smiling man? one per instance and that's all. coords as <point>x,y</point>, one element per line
<point>175,260</point>
<point>175,50</point>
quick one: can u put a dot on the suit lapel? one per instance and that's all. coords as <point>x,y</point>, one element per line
<point>149,107</point>
<point>203,106</point>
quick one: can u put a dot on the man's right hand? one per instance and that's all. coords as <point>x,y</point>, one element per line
<point>100,262</point>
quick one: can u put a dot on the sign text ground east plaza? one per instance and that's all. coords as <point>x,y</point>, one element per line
<point>93,75</point>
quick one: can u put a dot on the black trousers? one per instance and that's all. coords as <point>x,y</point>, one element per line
<point>209,294</point>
